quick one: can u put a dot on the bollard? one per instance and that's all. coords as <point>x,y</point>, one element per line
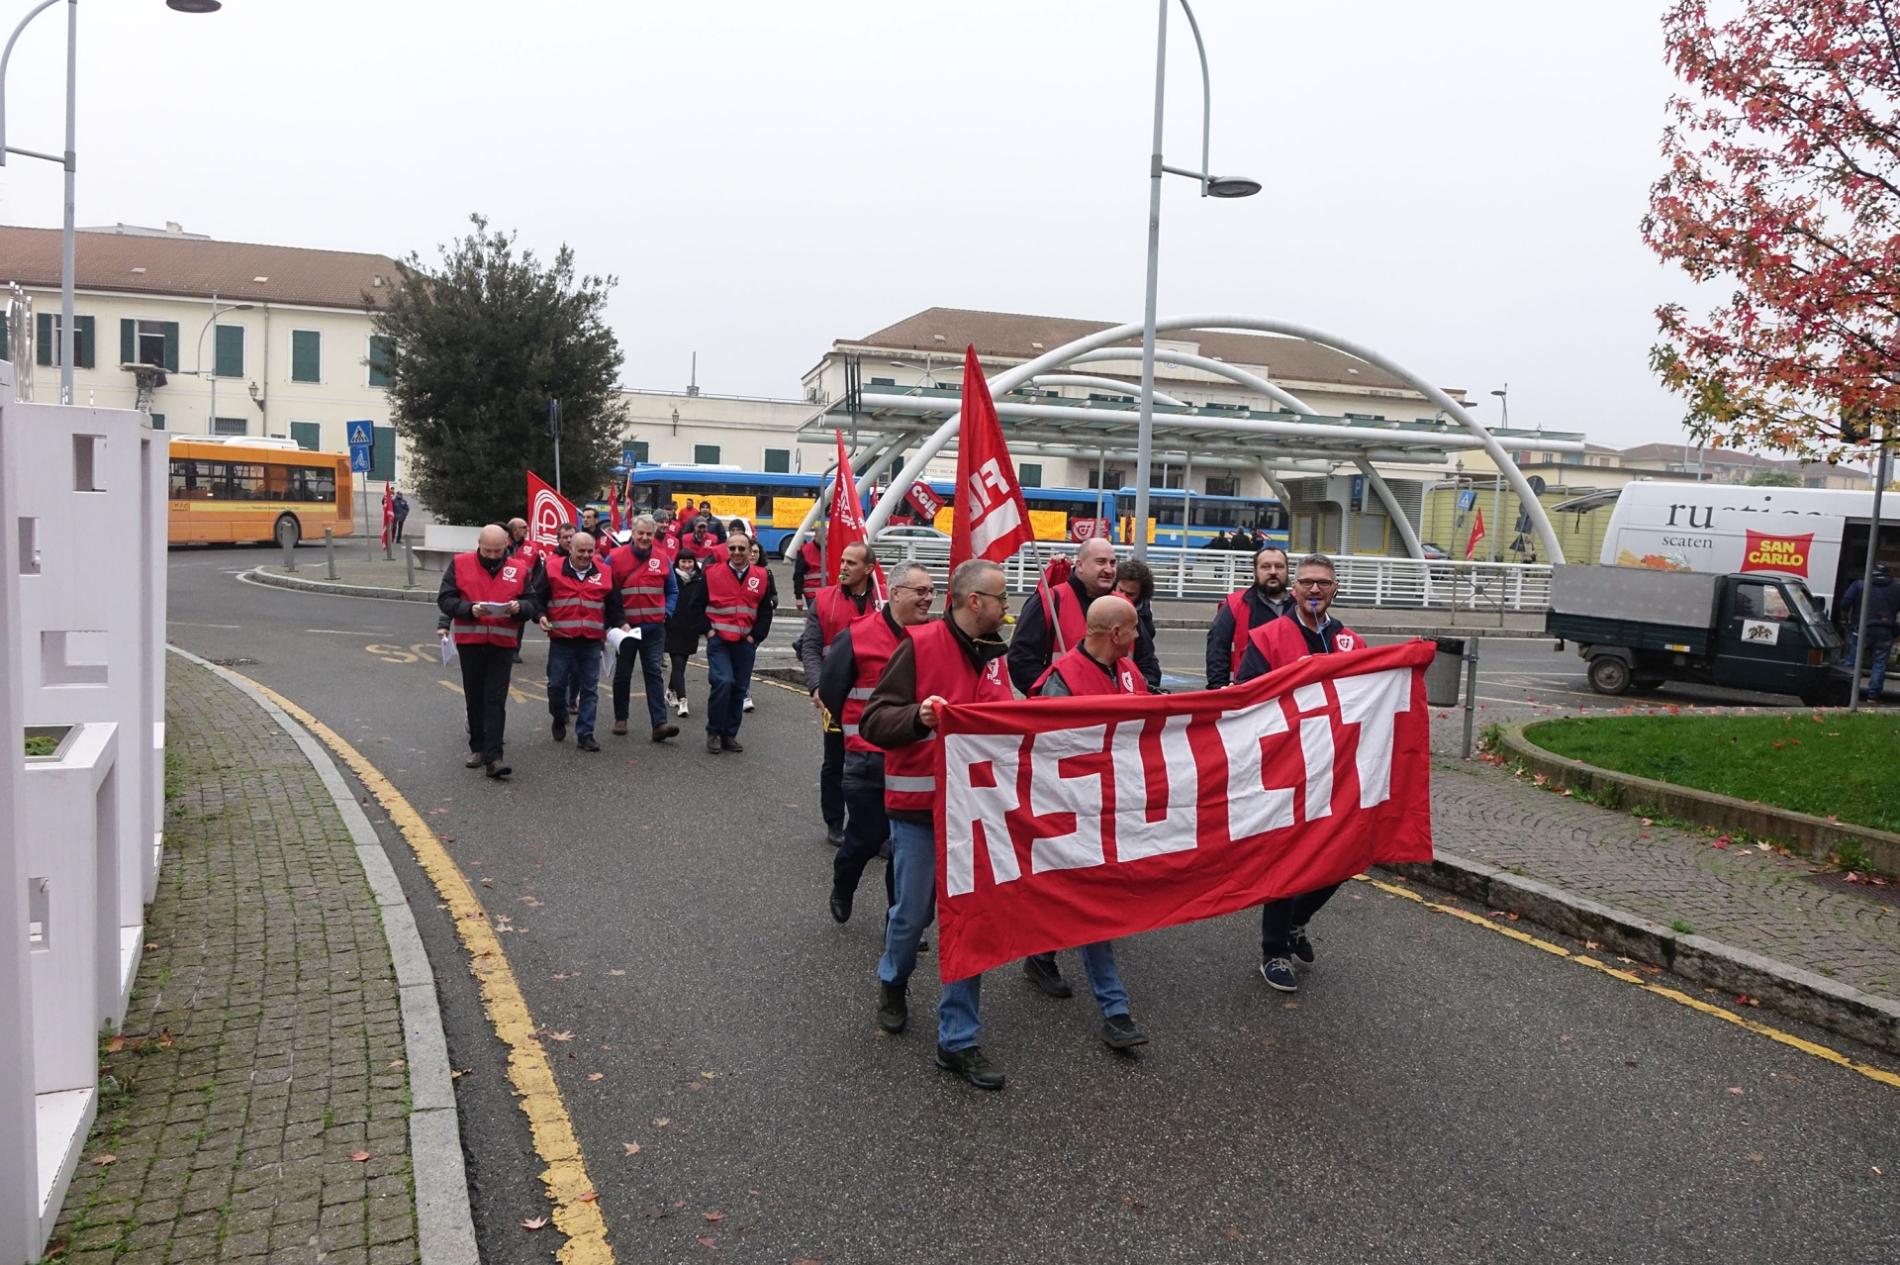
<point>329,550</point>
<point>409,557</point>
<point>1471,689</point>
<point>290,552</point>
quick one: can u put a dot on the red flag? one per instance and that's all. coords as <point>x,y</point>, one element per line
<point>547,510</point>
<point>1477,534</point>
<point>847,524</point>
<point>389,512</point>
<point>991,520</point>
<point>613,508</point>
<point>1067,821</point>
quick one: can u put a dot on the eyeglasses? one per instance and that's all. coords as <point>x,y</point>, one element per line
<point>922,590</point>
<point>1002,597</point>
<point>1317,584</point>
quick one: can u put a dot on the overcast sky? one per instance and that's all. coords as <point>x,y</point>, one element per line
<point>1458,184</point>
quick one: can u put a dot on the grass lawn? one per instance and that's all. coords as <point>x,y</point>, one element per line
<point>1829,764</point>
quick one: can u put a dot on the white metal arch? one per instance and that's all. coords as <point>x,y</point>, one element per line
<point>1018,374</point>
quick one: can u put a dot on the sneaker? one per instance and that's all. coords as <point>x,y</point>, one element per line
<point>893,1007</point>
<point>1302,947</point>
<point>972,1065</point>
<point>840,904</point>
<point>662,732</point>
<point>731,744</point>
<point>586,743</point>
<point>672,699</point>
<point>684,708</point>
<point>1046,975</point>
<point>834,835</point>
<point>1120,1033</point>
<point>559,730</point>
<point>620,728</point>
<point>712,745</point>
<point>747,705</point>
<point>1278,972</point>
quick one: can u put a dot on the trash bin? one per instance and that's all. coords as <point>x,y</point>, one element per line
<point>1444,676</point>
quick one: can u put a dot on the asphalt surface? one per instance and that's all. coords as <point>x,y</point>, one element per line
<point>1435,1093</point>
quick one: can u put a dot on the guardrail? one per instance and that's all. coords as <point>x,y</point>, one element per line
<point>1364,580</point>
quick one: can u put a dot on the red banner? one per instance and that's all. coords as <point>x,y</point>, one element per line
<point>991,519</point>
<point>924,500</point>
<point>847,525</point>
<point>1081,529</point>
<point>547,510</point>
<point>1477,534</point>
<point>1067,821</point>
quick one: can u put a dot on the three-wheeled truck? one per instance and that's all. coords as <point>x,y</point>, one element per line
<point>1637,628</point>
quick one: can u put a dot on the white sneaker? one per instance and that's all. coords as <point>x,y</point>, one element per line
<point>672,700</point>
<point>684,710</point>
<point>747,705</point>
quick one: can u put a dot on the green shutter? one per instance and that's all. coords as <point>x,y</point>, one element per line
<point>1030,474</point>
<point>85,341</point>
<point>158,421</point>
<point>228,354</point>
<point>378,360</point>
<point>306,355</point>
<point>778,461</point>
<point>706,454</point>
<point>43,338</point>
<point>308,435</point>
<point>382,452</point>
<point>127,331</point>
<point>640,451</point>
<point>171,346</point>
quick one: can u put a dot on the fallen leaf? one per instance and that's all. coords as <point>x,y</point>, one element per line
<point>535,1223</point>
<point>459,1072</point>
<point>566,1034</point>
<point>1512,917</point>
<point>597,1076</point>
<point>1232,1234</point>
<point>710,1075</point>
<point>360,1156</point>
<point>564,975</point>
<point>116,1044</point>
<point>660,1122</point>
<point>1736,1090</point>
<point>165,1039</point>
<point>587,1196</point>
<point>103,1160</point>
<point>616,972</point>
<point>714,1216</point>
<point>488,882</point>
<point>707,1241</point>
<point>632,1148</point>
<point>1591,944</point>
<point>1754,1157</point>
<point>1649,821</point>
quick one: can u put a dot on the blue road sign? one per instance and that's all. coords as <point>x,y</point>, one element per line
<point>361,434</point>
<point>1466,499</point>
<point>627,458</point>
<point>359,459</point>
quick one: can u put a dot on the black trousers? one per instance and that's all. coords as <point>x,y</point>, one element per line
<point>676,682</point>
<point>862,786</point>
<point>1278,918</point>
<point>485,674</point>
<point>831,780</point>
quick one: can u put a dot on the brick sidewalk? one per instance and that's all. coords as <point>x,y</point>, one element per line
<point>263,1048</point>
<point>1759,901</point>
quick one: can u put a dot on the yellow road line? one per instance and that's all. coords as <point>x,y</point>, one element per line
<point>565,1175</point>
<point>1822,1052</point>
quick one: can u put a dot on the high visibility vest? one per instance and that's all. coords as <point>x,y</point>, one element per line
<point>910,775</point>
<point>1237,607</point>
<point>815,576</point>
<point>704,547</point>
<point>1083,677</point>
<point>508,584</point>
<point>577,608</point>
<point>1282,641</point>
<point>732,600</point>
<point>837,610</point>
<point>642,585</point>
<point>668,543</point>
<point>873,639</point>
<point>1067,623</point>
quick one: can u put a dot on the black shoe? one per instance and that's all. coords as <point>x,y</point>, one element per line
<point>893,1007</point>
<point>662,732</point>
<point>971,1065</point>
<point>497,770</point>
<point>834,835</point>
<point>712,745</point>
<point>620,728</point>
<point>730,744</point>
<point>1278,972</point>
<point>1046,975</point>
<point>586,743</point>
<point>1302,947</point>
<point>1120,1033</point>
<point>840,904</point>
<point>559,730</point>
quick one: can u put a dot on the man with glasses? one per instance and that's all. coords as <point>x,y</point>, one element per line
<point>1306,630</point>
<point>1265,600</point>
<point>957,659</point>
<point>830,611</point>
<point>853,662</point>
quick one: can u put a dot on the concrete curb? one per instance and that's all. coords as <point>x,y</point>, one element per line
<point>445,1223</point>
<point>257,575</point>
<point>1817,836</point>
<point>1800,994</point>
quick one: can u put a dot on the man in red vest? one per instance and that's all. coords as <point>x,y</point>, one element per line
<point>956,659</point>
<point>643,575</point>
<point>579,604</point>
<point>737,618</point>
<point>1101,665</point>
<point>853,662</point>
<point>1238,614</point>
<point>485,596</point>
<point>808,568</point>
<point>1306,630</point>
<point>828,614</point>
<point>703,545</point>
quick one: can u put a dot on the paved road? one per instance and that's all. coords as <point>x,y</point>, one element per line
<point>1437,1093</point>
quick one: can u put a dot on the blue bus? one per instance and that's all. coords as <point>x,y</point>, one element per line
<point>1264,516</point>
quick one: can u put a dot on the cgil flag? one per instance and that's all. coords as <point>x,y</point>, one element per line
<point>991,520</point>
<point>847,525</point>
<point>1477,534</point>
<point>547,510</point>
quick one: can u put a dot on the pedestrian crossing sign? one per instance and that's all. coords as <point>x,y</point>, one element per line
<point>360,434</point>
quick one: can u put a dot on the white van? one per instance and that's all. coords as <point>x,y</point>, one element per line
<point>1817,534</point>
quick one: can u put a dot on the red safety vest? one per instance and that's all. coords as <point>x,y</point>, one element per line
<point>910,775</point>
<point>732,600</point>
<point>1083,677</point>
<point>508,584</point>
<point>815,576</point>
<point>668,542</point>
<point>707,546</point>
<point>1281,641</point>
<point>1068,619</point>
<point>836,612</point>
<point>873,639</point>
<point>577,608</point>
<point>1238,608</point>
<point>527,551</point>
<point>642,585</point>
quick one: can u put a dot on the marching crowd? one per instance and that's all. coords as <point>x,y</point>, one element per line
<point>878,673</point>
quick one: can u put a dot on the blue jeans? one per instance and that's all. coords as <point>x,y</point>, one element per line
<point>914,867</point>
<point>574,670</point>
<point>1879,649</point>
<point>1105,979</point>
<point>729,665</point>
<point>649,651</point>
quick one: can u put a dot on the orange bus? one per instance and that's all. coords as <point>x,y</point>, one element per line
<point>241,491</point>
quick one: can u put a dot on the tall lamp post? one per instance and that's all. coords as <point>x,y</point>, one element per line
<point>1211,187</point>
<point>211,424</point>
<point>67,161</point>
<point>1496,539</point>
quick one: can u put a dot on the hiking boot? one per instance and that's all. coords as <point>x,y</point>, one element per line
<point>474,760</point>
<point>893,1007</point>
<point>1278,972</point>
<point>662,732</point>
<point>712,745</point>
<point>620,728</point>
<point>972,1065</point>
<point>586,743</point>
<point>1043,972</point>
<point>1120,1033</point>
<point>731,744</point>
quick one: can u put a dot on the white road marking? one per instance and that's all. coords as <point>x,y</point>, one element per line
<point>179,623</point>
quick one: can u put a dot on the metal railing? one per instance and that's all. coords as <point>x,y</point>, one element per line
<point>1366,580</point>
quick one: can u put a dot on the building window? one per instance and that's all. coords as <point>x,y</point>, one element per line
<point>1030,472</point>
<point>228,359</point>
<point>1223,485</point>
<point>1113,477</point>
<point>306,355</point>
<point>778,460</point>
<point>307,435</point>
<point>706,454</point>
<point>881,382</point>
<point>378,360</point>
<point>149,343</point>
<point>158,421</point>
<point>639,450</point>
<point>47,336</point>
<point>230,426</point>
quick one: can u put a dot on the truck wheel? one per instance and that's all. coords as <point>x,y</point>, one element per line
<point>286,529</point>
<point>1609,675</point>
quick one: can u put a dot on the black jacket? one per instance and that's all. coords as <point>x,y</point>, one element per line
<point>1032,647</point>
<point>687,624</point>
<point>1220,636</point>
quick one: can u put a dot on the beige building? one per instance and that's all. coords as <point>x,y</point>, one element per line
<point>751,432</point>
<point>288,354</point>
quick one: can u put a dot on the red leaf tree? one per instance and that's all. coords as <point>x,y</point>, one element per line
<point>1783,188</point>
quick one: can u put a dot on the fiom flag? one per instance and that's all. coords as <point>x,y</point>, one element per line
<point>991,520</point>
<point>1477,534</point>
<point>547,510</point>
<point>1067,821</point>
<point>847,525</point>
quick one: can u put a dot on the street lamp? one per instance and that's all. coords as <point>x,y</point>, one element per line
<point>1211,187</point>
<point>211,426</point>
<point>1496,544</point>
<point>66,161</point>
